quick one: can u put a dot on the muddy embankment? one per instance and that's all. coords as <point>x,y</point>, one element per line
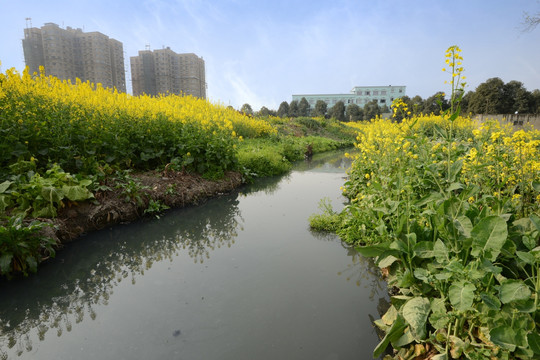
<point>113,206</point>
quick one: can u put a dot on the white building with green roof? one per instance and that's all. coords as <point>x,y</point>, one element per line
<point>359,95</point>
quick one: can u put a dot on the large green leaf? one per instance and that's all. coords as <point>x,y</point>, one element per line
<point>4,202</point>
<point>464,225</point>
<point>504,336</point>
<point>371,250</point>
<point>461,295</point>
<point>76,193</point>
<point>52,194</point>
<point>5,185</point>
<point>535,220</point>
<point>514,290</point>
<point>533,339</point>
<point>395,332</point>
<point>387,261</point>
<point>491,301</point>
<point>526,257</point>
<point>423,249</point>
<point>439,317</point>
<point>415,312</point>
<point>489,236</point>
<point>440,251</point>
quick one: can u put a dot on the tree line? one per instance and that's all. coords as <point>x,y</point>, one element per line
<point>491,97</point>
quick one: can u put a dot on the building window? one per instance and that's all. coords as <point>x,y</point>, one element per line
<point>383,92</point>
<point>400,90</point>
<point>367,93</point>
<point>383,101</point>
<point>375,92</point>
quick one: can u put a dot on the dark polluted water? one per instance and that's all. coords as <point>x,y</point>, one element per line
<point>238,277</point>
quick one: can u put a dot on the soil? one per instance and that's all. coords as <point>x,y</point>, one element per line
<point>110,207</point>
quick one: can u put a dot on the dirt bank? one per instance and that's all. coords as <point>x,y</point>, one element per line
<point>113,206</point>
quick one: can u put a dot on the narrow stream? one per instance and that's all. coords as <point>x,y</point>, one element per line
<point>238,277</point>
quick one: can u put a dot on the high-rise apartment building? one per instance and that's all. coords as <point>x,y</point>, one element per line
<point>71,53</point>
<point>164,71</point>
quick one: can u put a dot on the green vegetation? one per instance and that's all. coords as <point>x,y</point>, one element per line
<point>449,209</point>
<point>62,144</point>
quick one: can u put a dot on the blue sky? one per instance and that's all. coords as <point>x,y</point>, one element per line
<point>262,52</point>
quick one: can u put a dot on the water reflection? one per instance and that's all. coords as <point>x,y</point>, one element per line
<point>325,162</point>
<point>82,278</point>
<point>88,280</point>
<point>363,272</point>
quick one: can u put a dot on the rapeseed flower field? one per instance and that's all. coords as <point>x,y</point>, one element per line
<point>450,210</point>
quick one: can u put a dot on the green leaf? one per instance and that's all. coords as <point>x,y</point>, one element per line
<point>464,225</point>
<point>5,263</point>
<point>504,336</point>
<point>455,168</point>
<point>5,185</point>
<point>433,197</point>
<point>440,251</point>
<point>415,312</point>
<point>461,295</point>
<point>536,185</point>
<point>371,250</point>
<point>514,290</point>
<point>395,332</point>
<point>422,274</point>
<point>52,194</point>
<point>390,316</point>
<point>525,306</point>
<point>455,186</point>
<point>76,193</point>
<point>4,202</point>
<point>526,257</point>
<point>440,357</point>
<point>489,236</point>
<point>405,339</point>
<point>387,261</point>
<point>535,220</point>
<point>491,301</point>
<point>406,280</point>
<point>534,342</point>
<point>423,249</point>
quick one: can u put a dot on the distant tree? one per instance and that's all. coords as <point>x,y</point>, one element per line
<point>353,113</point>
<point>435,104</point>
<point>303,107</point>
<point>465,100</point>
<point>246,109</point>
<point>283,110</point>
<point>293,108</point>
<point>230,107</point>
<point>385,109</point>
<point>415,105</point>
<point>371,110</point>
<point>488,97</point>
<point>515,98</point>
<point>320,108</point>
<point>535,102</point>
<point>264,111</point>
<point>337,111</point>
